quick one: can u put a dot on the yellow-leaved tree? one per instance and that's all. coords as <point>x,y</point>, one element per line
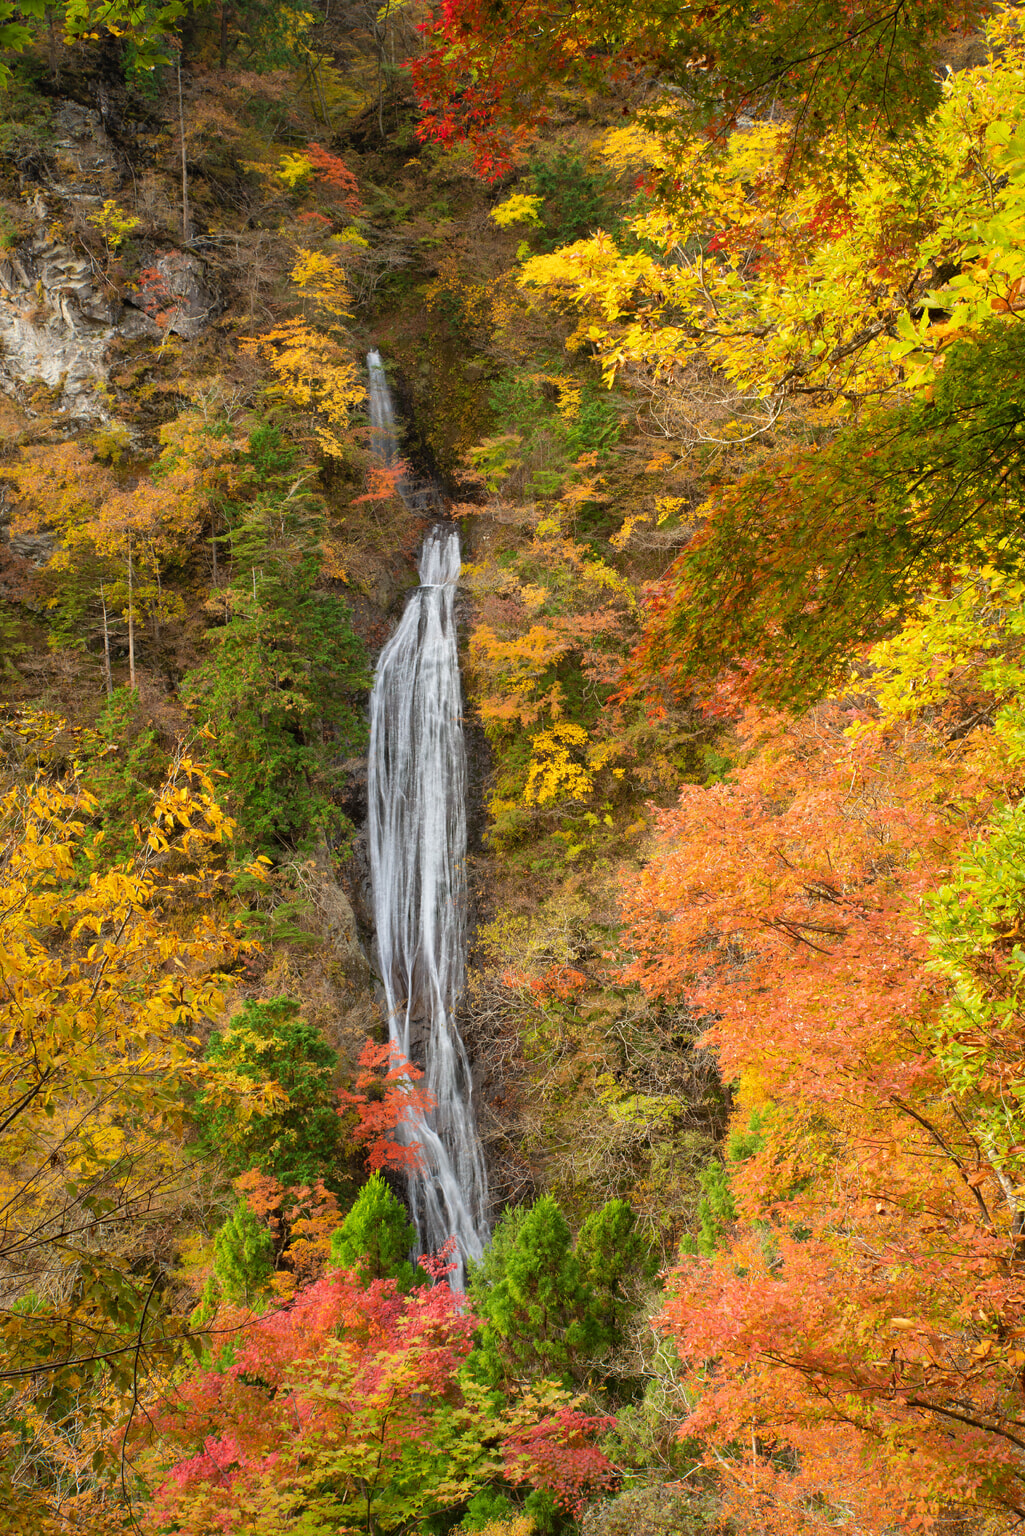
<point>310,355</point>
<point>105,973</point>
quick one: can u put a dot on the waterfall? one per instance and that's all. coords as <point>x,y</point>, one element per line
<point>417,815</point>
<point>383,436</point>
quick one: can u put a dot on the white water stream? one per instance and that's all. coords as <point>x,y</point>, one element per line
<point>417,823</point>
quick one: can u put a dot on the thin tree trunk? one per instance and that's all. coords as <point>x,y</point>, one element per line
<point>106,646</point>
<point>160,594</point>
<point>185,171</point>
<point>131,618</point>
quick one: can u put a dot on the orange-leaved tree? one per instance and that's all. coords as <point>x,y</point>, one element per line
<point>852,1330</point>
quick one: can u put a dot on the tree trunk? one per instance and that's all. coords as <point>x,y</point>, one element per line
<point>106,646</point>
<point>185,171</point>
<point>131,618</point>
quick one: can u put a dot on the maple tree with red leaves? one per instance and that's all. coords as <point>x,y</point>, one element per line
<point>333,174</point>
<point>487,72</point>
<point>387,1100</point>
<point>349,1405</point>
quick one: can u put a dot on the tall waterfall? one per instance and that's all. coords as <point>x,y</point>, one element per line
<point>417,793</point>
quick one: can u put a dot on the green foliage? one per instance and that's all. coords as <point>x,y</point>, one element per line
<point>243,1255</point>
<point>376,1237</point>
<point>547,422</point>
<point>540,1318</point>
<point>717,1211</point>
<point>281,689</point>
<point>818,551</point>
<point>298,1141</point>
<point>577,198</point>
<point>976,928</point>
<point>611,1254</point>
<point>125,765</point>
<point>486,1507</point>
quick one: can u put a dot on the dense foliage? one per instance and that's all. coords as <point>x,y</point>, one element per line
<point>708,321</point>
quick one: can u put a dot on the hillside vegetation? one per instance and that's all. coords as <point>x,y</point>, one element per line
<point>706,327</point>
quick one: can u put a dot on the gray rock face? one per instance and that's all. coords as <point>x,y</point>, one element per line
<point>58,315</point>
<point>87,163</point>
<point>179,293</point>
<point>55,326</point>
<point>36,548</point>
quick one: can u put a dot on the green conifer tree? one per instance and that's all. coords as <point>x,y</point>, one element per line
<point>376,1237</point>
<point>243,1255</point>
<point>612,1256</point>
<point>282,688</point>
<point>540,1318</point>
<point>268,1042</point>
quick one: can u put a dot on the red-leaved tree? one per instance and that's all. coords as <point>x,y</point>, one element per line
<point>348,1410</point>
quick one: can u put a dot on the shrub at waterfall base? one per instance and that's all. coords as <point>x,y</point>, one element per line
<point>549,1309</point>
<point>376,1237</point>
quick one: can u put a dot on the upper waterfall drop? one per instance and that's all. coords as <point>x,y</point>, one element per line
<point>417,825</point>
<point>384,440</point>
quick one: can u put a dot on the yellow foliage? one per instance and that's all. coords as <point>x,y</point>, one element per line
<point>520,208</point>
<point>842,296</point>
<point>107,974</point>
<point>322,284</point>
<point>309,354</point>
<point>294,170</point>
<point>114,223</point>
<point>553,773</point>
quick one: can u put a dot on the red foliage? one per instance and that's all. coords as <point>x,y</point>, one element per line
<point>159,300</point>
<point>559,1454</point>
<point>383,482</point>
<point>301,1221</point>
<point>353,1390</point>
<point>335,176</point>
<point>559,981</point>
<point>387,1101</point>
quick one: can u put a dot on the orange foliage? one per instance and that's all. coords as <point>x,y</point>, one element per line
<point>387,1101</point>
<point>869,1307</point>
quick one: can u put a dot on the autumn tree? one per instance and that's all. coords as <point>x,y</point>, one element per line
<point>855,336</point>
<point>350,1406</point>
<point>310,355</point>
<point>106,971</point>
<point>834,907</point>
<point>486,74</point>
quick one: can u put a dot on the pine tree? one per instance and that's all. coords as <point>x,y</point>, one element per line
<point>281,687</point>
<point>540,1317</point>
<point>376,1237</point>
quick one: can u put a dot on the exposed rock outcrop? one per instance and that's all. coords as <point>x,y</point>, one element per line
<point>59,312</point>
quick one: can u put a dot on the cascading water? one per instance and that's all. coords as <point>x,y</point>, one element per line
<point>417,794</point>
<point>384,441</point>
